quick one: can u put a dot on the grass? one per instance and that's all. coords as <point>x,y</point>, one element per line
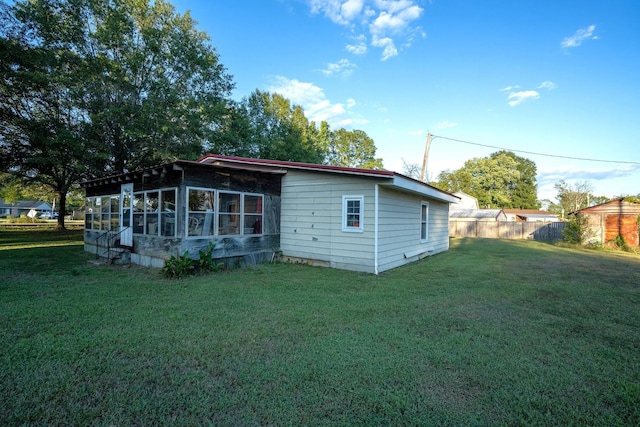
<point>489,333</point>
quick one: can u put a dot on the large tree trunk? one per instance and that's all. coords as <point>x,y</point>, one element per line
<point>61,210</point>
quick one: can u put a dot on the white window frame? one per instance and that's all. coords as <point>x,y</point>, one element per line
<point>424,222</point>
<point>214,214</point>
<point>241,214</point>
<point>158,213</point>
<point>345,203</point>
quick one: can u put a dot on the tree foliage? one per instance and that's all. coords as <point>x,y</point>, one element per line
<point>502,180</point>
<point>573,197</point>
<point>93,87</point>
<point>353,149</point>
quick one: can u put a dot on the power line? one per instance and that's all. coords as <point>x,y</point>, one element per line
<point>537,154</point>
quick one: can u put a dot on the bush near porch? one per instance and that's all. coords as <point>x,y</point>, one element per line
<point>492,332</point>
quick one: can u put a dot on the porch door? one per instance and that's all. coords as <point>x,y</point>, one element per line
<point>126,215</point>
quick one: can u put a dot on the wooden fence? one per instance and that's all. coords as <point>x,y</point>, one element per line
<point>506,229</point>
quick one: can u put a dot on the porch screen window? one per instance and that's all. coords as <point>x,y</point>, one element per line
<point>89,208</point>
<point>352,213</point>
<point>252,214</point>
<point>151,202</point>
<point>229,213</point>
<point>138,213</point>
<point>201,212</point>
<point>168,213</point>
<point>424,221</point>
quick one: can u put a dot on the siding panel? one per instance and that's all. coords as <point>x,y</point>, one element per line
<point>399,222</point>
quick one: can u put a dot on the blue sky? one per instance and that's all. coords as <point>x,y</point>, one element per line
<point>556,77</point>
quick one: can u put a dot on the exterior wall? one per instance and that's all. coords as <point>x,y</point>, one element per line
<point>152,250</point>
<point>311,221</point>
<point>399,228</point>
<point>611,219</point>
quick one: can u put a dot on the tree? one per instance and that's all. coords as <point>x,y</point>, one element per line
<point>279,130</point>
<point>524,191</point>
<point>573,197</point>
<point>353,149</point>
<point>502,180</point>
<point>42,132</point>
<point>412,170</point>
<point>93,87</point>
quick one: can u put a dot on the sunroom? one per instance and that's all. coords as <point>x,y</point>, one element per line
<point>149,215</point>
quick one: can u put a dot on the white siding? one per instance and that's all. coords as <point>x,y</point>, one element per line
<point>399,228</point>
<point>311,220</point>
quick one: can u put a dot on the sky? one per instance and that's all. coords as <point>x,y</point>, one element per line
<point>554,81</point>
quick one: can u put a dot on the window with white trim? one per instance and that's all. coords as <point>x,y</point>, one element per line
<point>154,212</point>
<point>424,221</point>
<point>353,213</point>
<point>201,213</point>
<point>212,212</point>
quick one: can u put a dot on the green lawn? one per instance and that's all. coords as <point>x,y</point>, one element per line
<point>489,333</point>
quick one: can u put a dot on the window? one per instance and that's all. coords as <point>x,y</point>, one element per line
<point>424,221</point>
<point>229,215</point>
<point>102,213</point>
<point>154,212</point>
<point>200,211</point>
<point>138,213</point>
<point>252,214</point>
<point>168,213</point>
<point>352,213</point>
<point>212,212</point>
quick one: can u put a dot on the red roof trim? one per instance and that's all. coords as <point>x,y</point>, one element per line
<point>296,165</point>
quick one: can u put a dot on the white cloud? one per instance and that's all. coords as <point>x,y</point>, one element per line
<point>343,67</point>
<point>517,98</point>
<point>579,36</point>
<point>359,47</point>
<point>445,125</point>
<point>509,88</point>
<point>389,49</point>
<point>314,102</point>
<point>549,85</point>
<point>389,22</point>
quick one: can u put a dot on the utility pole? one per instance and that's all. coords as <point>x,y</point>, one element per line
<point>425,158</point>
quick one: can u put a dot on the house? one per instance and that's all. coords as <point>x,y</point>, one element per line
<point>615,218</point>
<point>23,207</point>
<point>485,215</point>
<point>529,215</point>
<point>467,201</point>
<point>255,210</point>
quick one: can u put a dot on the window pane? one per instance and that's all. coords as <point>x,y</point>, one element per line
<point>229,217</point>
<point>201,200</point>
<point>252,204</point>
<point>151,207</point>
<point>353,213</point>
<point>168,217</point>
<point>138,213</point>
<point>252,224</point>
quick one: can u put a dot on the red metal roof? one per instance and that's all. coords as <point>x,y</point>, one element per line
<point>295,165</point>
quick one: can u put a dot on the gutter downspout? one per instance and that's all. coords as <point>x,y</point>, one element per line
<point>375,231</point>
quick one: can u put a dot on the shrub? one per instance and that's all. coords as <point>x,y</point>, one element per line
<point>177,267</point>
<point>577,230</point>
<point>205,262</point>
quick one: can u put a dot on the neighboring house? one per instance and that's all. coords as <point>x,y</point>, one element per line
<point>23,207</point>
<point>467,201</point>
<point>612,219</point>
<point>477,215</point>
<point>529,215</point>
<point>254,210</point>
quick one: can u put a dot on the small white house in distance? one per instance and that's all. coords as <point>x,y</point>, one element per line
<point>355,219</point>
